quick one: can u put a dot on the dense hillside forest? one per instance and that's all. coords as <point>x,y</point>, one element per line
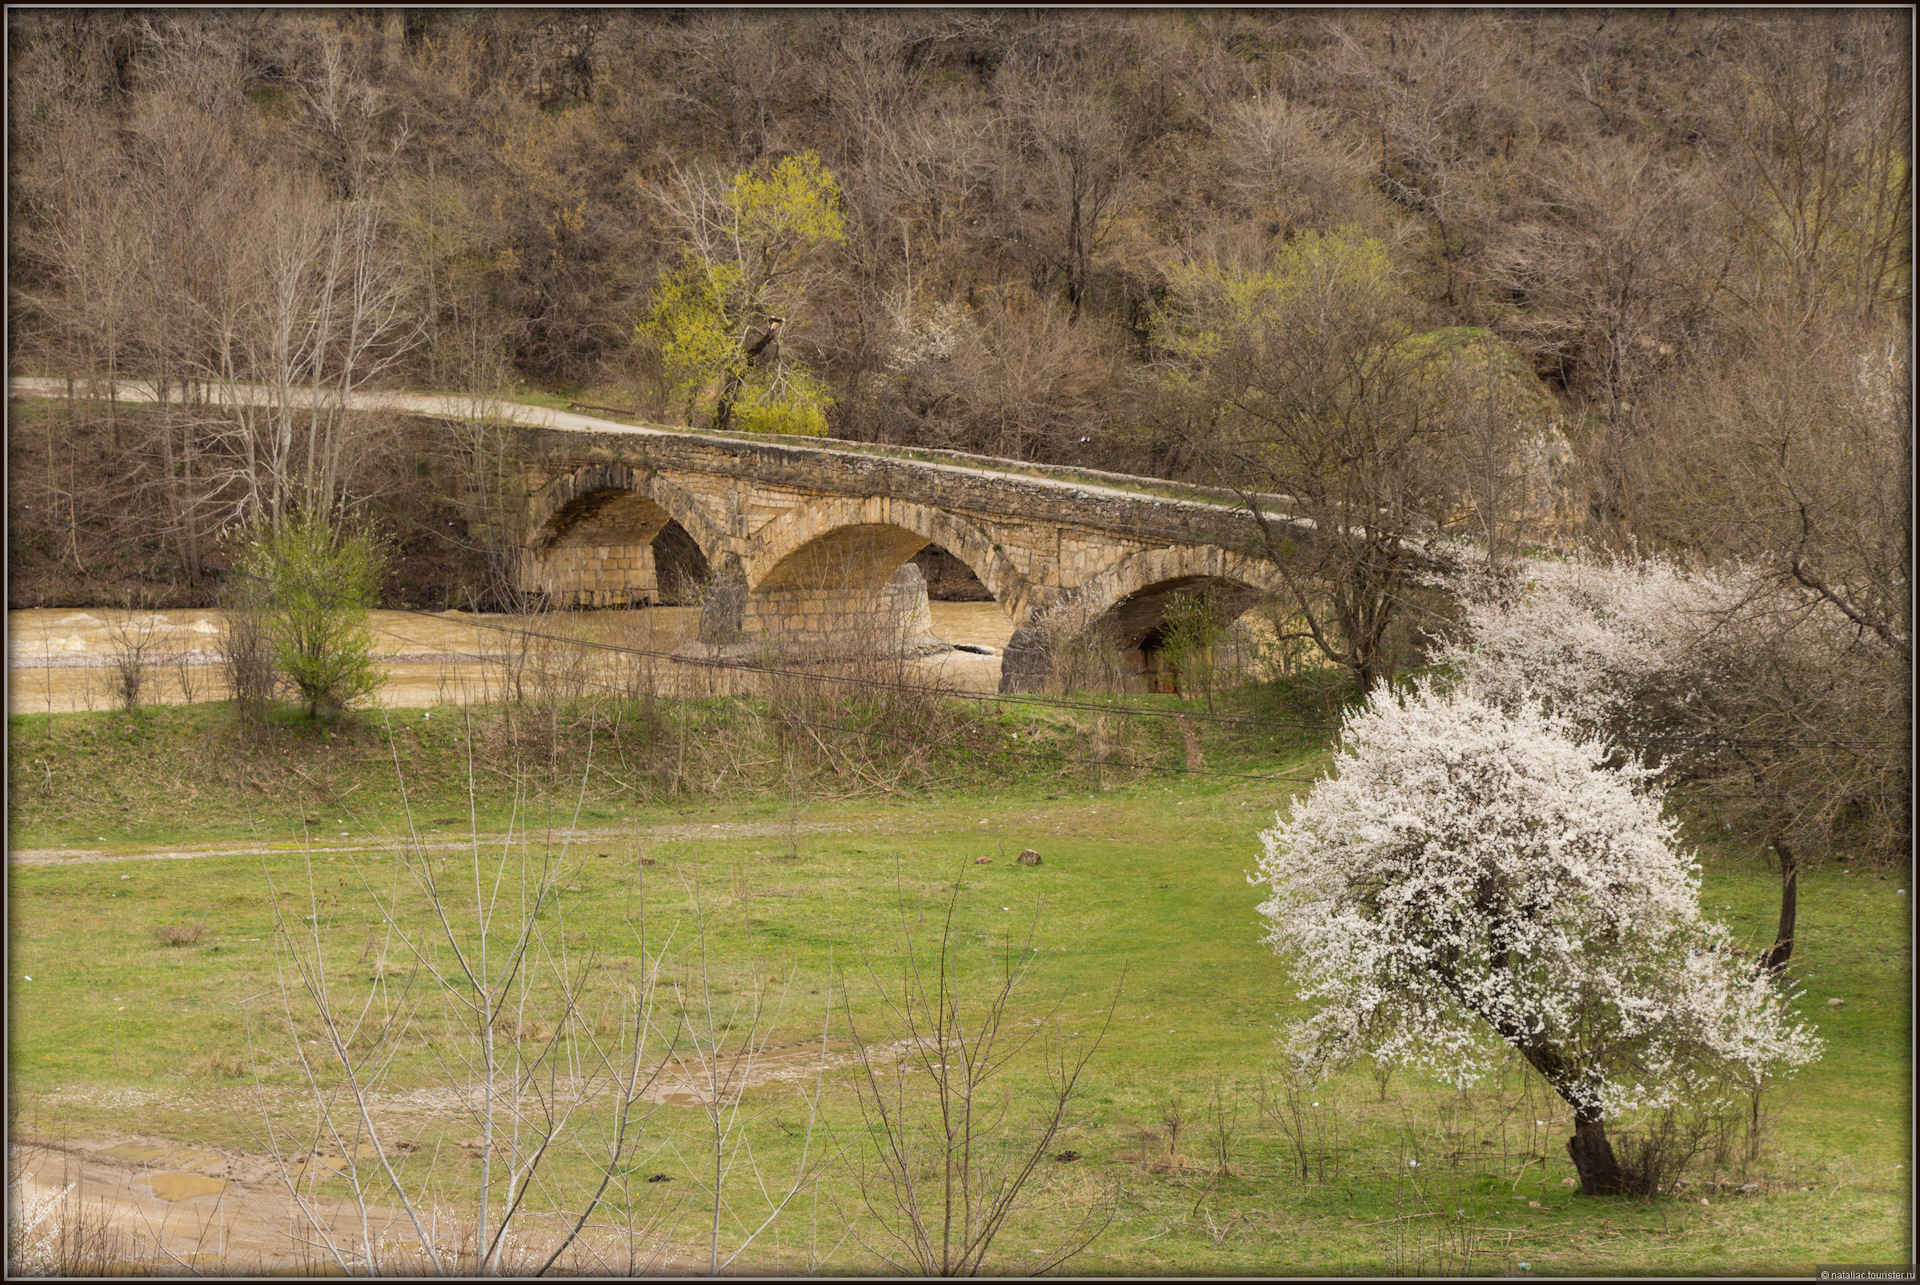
<point>1160,242</point>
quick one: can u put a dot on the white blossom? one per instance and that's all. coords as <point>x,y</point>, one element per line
<point>33,1232</point>
<point>1473,875</point>
<point>929,337</point>
<point>1603,643</point>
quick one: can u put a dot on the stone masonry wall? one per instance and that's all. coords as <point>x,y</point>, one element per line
<point>782,511</point>
<point>587,575</point>
<point>841,620</point>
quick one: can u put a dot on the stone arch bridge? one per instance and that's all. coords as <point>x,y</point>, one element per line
<point>802,541</point>
<point>813,545</point>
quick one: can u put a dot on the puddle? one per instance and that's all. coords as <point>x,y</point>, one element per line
<point>333,1161</point>
<point>184,1186</point>
<point>136,1152</point>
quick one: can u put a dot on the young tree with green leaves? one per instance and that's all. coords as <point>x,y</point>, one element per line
<point>314,581</point>
<point>753,245</point>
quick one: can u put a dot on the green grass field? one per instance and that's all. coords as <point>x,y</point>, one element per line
<point>1142,889</point>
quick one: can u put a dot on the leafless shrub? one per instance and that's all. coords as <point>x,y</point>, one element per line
<point>186,673</point>
<point>1428,1236</point>
<point>951,1156</point>
<point>1175,1121</point>
<point>1660,1151</point>
<point>1222,1126</point>
<point>252,674</point>
<point>560,661</point>
<point>179,935</point>
<point>1310,1119</point>
<point>132,641</point>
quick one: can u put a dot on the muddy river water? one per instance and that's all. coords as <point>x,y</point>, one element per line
<point>62,660</point>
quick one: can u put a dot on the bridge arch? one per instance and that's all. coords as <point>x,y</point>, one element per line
<point>842,542</point>
<point>1130,597</point>
<point>1132,594</point>
<point>608,534</point>
<point>617,500</point>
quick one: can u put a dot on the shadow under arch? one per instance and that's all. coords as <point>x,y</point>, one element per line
<point>680,566</point>
<point>859,544</point>
<point>597,500</point>
<point>1129,600</point>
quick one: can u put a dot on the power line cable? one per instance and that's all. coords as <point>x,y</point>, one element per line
<point>945,693</point>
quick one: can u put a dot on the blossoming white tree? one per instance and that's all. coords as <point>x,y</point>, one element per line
<point>1473,876</point>
<point>1608,644</point>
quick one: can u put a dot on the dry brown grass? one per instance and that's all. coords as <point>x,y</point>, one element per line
<point>179,934</point>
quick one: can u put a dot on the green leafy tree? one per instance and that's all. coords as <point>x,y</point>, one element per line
<point>753,246</point>
<point>315,581</point>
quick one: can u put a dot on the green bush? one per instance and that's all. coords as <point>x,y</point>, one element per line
<point>1190,628</point>
<point>316,581</point>
<point>799,418</point>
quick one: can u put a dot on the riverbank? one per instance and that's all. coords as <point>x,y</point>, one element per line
<point>62,661</point>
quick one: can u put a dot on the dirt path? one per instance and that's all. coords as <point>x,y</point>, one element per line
<point>133,1204</point>
<point>582,839</point>
<point>140,1200</point>
<point>137,1199</point>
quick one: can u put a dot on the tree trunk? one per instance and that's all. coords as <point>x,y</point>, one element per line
<point>1593,1158</point>
<point>1775,960</point>
<point>723,409</point>
<point>1588,1148</point>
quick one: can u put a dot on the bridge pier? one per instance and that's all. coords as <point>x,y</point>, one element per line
<point>820,621</point>
<point>586,575</point>
<point>1026,664</point>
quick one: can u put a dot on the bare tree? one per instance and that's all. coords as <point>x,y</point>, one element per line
<point>316,303</point>
<point>132,641</point>
<point>729,1042</point>
<point>492,987</point>
<point>1797,460</point>
<point>1606,257</point>
<point>186,186</point>
<point>1818,184</point>
<point>1077,174</point>
<point>951,1165</point>
<point>1287,166</point>
<point>1015,378</point>
<point>1308,384</point>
